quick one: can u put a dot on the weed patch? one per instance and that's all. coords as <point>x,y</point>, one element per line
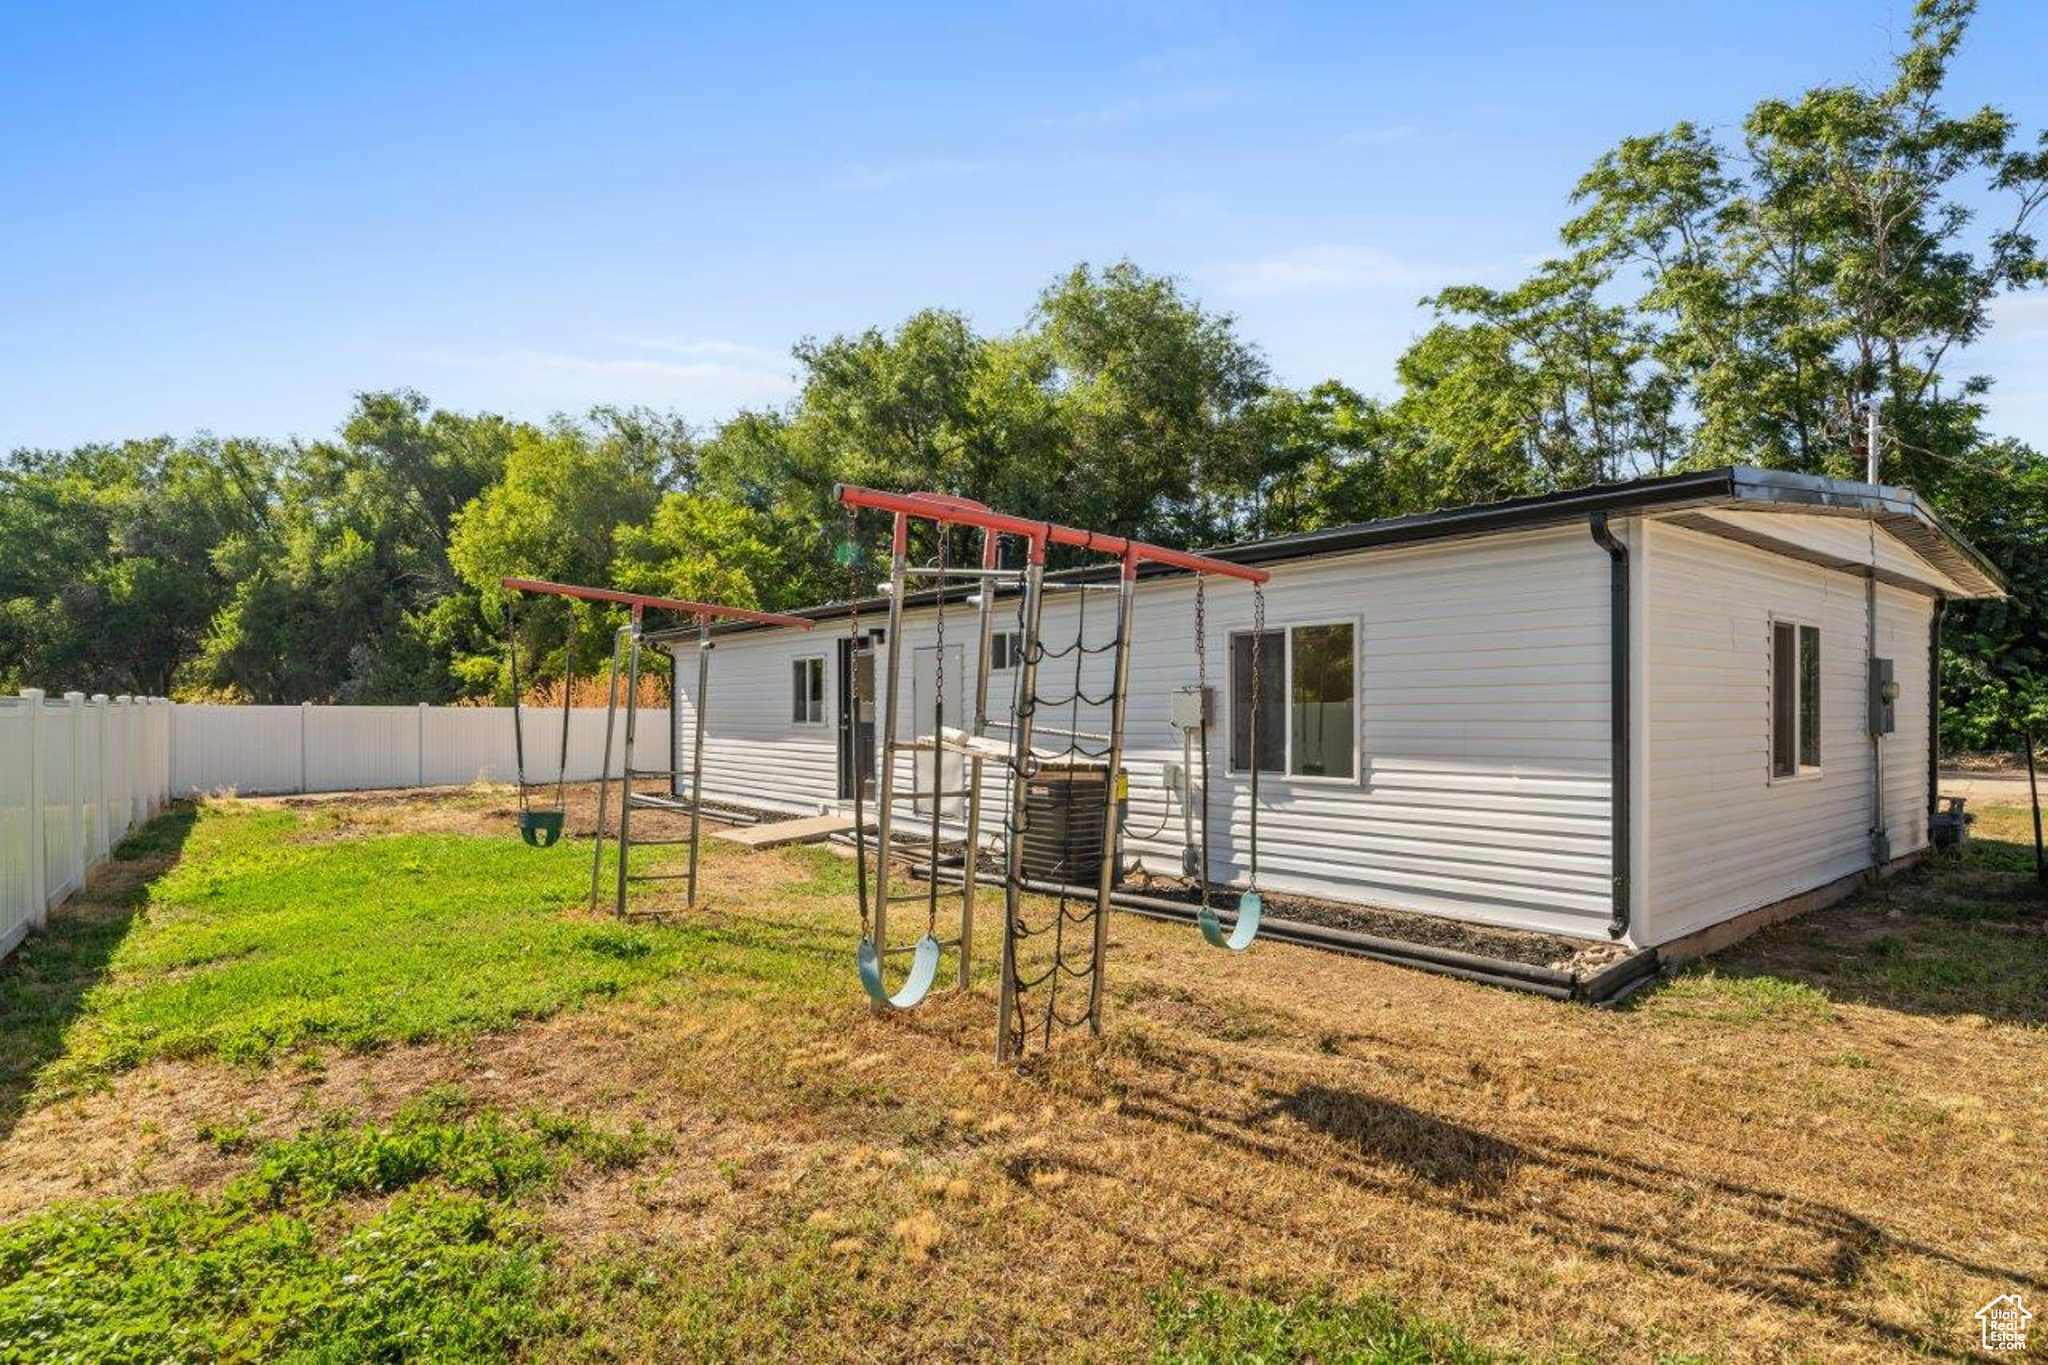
<point>1705,993</point>
<point>301,1256</point>
<point>1211,1328</point>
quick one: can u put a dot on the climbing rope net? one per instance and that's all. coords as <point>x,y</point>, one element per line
<point>1052,963</point>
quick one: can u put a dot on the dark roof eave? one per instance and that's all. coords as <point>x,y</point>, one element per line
<point>1899,510</point>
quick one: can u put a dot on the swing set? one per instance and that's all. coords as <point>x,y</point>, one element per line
<point>541,825</point>
<point>1070,944</point>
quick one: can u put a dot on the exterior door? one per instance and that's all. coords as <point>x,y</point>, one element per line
<point>856,721</point>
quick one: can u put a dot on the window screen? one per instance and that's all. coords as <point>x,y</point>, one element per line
<point>1272,713</point>
<point>807,686</point>
<point>1321,705</point>
<point>1795,698</point>
<point>1809,696</point>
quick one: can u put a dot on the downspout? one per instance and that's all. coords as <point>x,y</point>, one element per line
<point>1620,779</point>
<point>1934,714</point>
<point>1880,835</point>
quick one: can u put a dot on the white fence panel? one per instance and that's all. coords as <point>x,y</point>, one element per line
<point>256,750</point>
<point>75,775</point>
<point>351,748</point>
<point>18,908</point>
<point>63,852</point>
<point>92,781</point>
<point>466,744</point>
<point>248,749</point>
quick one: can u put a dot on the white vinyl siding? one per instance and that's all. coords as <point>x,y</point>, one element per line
<point>754,753</point>
<point>1481,702</point>
<point>1481,787</point>
<point>1719,835</point>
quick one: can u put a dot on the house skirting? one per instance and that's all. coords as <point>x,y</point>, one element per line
<point>1715,937</point>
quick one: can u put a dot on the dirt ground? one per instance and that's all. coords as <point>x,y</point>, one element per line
<point>1723,1170</point>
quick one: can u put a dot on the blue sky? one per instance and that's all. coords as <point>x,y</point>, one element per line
<point>230,217</point>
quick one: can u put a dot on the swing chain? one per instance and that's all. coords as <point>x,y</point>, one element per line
<point>512,663</point>
<point>568,687</point>
<point>931,914</point>
<point>1258,714</point>
<point>853,587</point>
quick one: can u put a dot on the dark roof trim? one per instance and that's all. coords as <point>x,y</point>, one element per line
<point>1898,510</point>
<point>1895,508</point>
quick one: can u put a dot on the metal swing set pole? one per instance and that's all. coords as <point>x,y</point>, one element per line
<point>1040,535</point>
<point>991,547</point>
<point>627,644</point>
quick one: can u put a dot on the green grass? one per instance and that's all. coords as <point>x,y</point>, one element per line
<point>1702,992</point>
<point>412,1240</point>
<point>1212,1328</point>
<point>260,941</point>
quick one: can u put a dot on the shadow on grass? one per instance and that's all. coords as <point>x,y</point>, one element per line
<point>1602,1202</point>
<point>44,985</point>
<point>1954,936</point>
<point>1434,1149</point>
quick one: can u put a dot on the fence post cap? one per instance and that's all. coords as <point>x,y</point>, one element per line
<point>32,693</point>
<point>74,698</point>
<point>100,697</point>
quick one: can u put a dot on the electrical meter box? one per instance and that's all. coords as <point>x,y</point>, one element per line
<point>1189,708</point>
<point>1884,691</point>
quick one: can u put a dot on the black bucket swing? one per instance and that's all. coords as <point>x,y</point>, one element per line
<point>1251,904</point>
<point>540,826</point>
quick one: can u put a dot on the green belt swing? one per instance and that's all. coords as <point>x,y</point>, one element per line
<point>540,826</point>
<point>1251,905</point>
<point>925,953</point>
<point>924,969</point>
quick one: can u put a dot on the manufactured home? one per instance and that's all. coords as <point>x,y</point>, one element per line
<point>1629,713</point>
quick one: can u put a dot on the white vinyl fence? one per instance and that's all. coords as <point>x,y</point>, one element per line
<point>257,750</point>
<point>75,775</point>
<point>78,773</point>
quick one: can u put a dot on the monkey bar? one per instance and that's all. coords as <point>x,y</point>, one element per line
<point>948,510</point>
<point>627,644</point>
<point>640,601</point>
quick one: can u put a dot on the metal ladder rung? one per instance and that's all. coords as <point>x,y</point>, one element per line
<point>653,772</point>
<point>905,897</point>
<point>657,876</point>
<point>649,801</point>
<point>660,843</point>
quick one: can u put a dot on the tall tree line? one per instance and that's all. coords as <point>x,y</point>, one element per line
<point>1714,299</point>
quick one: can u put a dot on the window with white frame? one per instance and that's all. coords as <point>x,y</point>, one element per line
<point>1005,650</point>
<point>807,689</point>
<point>1795,699</point>
<point>1308,701</point>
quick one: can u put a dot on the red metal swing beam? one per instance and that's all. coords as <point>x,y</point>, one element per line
<point>640,602</point>
<point>949,510</point>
